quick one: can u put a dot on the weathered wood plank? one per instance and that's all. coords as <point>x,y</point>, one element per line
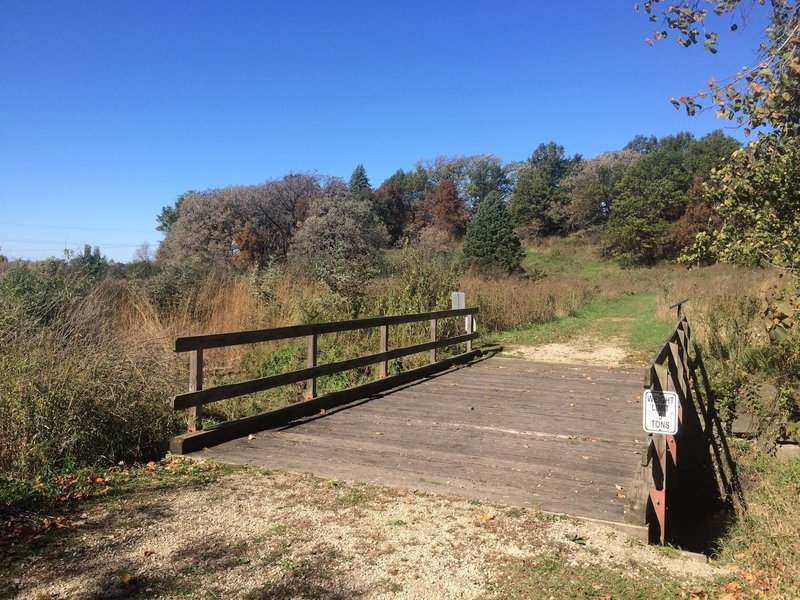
<point>233,390</point>
<point>514,439</point>
<point>217,340</point>
<point>192,442</point>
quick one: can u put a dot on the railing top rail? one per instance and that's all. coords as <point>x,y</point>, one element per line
<point>662,353</point>
<point>219,340</point>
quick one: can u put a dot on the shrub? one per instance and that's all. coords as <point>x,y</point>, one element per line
<point>81,401</point>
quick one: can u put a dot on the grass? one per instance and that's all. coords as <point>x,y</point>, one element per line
<point>568,258</point>
<point>551,576</point>
<point>629,318</point>
<point>764,545</point>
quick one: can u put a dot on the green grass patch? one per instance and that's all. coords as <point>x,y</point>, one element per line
<point>629,318</point>
<point>549,575</point>
<point>764,543</point>
<point>565,258</point>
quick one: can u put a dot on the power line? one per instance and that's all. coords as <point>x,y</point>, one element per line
<point>76,227</point>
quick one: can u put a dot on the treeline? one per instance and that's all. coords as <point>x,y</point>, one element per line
<point>645,202</point>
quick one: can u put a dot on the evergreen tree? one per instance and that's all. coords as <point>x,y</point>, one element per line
<point>491,242</point>
<point>359,182</point>
<point>538,195</point>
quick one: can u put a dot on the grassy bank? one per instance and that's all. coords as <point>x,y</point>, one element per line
<point>629,319</point>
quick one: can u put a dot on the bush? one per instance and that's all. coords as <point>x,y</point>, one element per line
<point>80,402</point>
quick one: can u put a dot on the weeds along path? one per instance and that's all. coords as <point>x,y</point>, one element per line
<point>623,331</point>
<point>181,529</point>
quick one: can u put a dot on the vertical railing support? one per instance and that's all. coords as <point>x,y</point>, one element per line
<point>470,322</point>
<point>311,361</point>
<point>384,348</point>
<point>194,419</point>
<point>433,339</point>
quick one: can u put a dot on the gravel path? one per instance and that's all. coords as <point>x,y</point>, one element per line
<point>256,535</point>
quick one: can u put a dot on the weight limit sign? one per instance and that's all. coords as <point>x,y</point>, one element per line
<point>660,412</point>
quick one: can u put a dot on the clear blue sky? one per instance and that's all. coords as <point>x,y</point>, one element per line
<point>109,110</point>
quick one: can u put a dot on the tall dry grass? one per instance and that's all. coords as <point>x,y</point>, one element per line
<point>92,382</point>
<point>725,298</point>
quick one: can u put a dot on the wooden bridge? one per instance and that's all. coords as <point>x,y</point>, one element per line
<point>557,437</point>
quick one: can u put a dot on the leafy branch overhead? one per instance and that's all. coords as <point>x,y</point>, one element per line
<point>765,93</point>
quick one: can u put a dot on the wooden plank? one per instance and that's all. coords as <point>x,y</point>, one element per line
<point>503,442</point>
<point>192,442</point>
<point>311,362</point>
<point>433,341</point>
<point>232,390</point>
<point>384,346</point>
<point>194,416</point>
<point>217,340</point>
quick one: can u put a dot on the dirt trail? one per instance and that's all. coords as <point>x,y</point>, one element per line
<point>256,534</point>
<point>583,350</point>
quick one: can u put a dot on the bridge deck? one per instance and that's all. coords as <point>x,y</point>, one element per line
<point>558,437</point>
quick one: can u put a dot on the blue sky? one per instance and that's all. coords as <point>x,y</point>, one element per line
<point>109,110</point>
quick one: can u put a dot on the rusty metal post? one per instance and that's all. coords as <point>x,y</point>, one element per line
<point>311,361</point>
<point>194,419</point>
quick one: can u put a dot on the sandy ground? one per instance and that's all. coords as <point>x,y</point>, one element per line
<point>256,534</point>
<point>584,350</point>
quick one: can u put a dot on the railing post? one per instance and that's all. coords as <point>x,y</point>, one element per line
<point>433,339</point>
<point>470,329</point>
<point>311,361</point>
<point>384,348</point>
<point>195,385</point>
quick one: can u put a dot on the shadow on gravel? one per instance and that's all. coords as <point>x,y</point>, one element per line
<point>195,570</point>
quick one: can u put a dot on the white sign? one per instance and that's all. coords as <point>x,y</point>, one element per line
<point>660,412</point>
<point>457,300</point>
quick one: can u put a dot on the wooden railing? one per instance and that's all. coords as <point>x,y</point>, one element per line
<point>197,396</point>
<point>668,371</point>
<point>686,476</point>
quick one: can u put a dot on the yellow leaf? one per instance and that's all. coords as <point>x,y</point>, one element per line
<point>732,586</point>
<point>487,517</point>
<point>126,578</point>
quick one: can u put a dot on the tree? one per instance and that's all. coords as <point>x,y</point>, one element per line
<point>642,144</point>
<point>359,181</point>
<point>592,187</point>
<point>538,193</point>
<point>239,224</point>
<point>486,175</point>
<point>340,241</point>
<point>271,214</point>
<point>764,94</point>
<point>749,200</point>
<point>757,200</point>
<point>654,194</point>
<point>442,208</point>
<point>90,263</point>
<point>169,214</point>
<point>394,208</point>
<point>491,243</point>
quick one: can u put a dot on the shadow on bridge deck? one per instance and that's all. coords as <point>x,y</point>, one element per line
<point>560,438</point>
